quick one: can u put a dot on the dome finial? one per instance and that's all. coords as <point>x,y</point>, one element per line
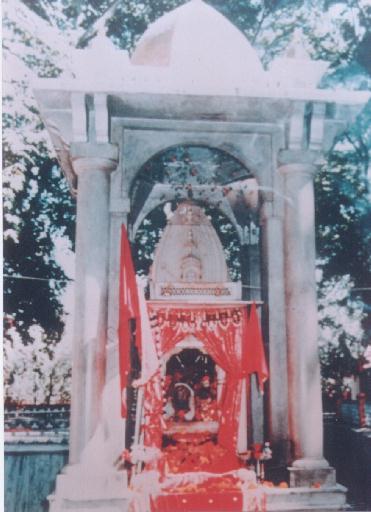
<point>296,48</point>
<point>296,68</point>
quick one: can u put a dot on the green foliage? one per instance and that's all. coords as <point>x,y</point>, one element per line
<point>146,240</point>
<point>337,362</point>
<point>343,234</point>
<point>185,167</point>
<point>44,209</point>
<point>343,240</point>
<point>36,201</point>
<point>340,316</point>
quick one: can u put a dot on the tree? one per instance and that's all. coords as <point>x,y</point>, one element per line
<point>37,205</point>
<point>38,210</point>
<point>38,371</point>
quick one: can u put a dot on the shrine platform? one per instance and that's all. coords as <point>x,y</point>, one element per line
<point>300,499</point>
<point>111,494</point>
<point>278,500</point>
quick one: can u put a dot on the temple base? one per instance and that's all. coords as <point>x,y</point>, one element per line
<point>277,500</point>
<point>302,499</point>
<point>78,489</point>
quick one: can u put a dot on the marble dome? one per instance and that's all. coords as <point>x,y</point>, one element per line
<point>198,44</point>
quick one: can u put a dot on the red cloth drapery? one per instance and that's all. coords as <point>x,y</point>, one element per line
<point>254,349</point>
<point>234,344</point>
<point>128,310</point>
<point>225,345</point>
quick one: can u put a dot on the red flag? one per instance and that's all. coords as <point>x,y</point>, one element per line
<point>255,349</point>
<point>128,310</point>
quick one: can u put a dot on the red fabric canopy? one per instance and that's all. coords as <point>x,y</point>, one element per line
<point>234,342</point>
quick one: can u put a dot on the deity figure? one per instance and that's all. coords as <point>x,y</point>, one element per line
<point>180,404</point>
<point>206,409</point>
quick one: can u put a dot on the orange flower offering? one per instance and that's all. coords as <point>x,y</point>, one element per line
<point>283,485</point>
<point>217,484</point>
<point>316,485</point>
<point>191,454</point>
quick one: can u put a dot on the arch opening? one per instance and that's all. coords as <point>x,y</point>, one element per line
<point>196,172</point>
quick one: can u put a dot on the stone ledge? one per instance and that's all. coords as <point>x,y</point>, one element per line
<point>300,499</point>
<point>104,505</point>
<point>102,150</point>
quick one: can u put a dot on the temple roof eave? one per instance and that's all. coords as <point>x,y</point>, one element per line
<point>63,107</point>
<point>58,92</point>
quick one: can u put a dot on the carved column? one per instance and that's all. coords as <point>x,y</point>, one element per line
<point>305,402</point>
<point>92,164</point>
<point>273,256</point>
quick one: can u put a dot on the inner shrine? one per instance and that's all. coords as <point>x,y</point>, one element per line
<point>228,355</point>
<point>200,326</point>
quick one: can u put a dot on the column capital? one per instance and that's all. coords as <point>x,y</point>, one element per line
<point>304,162</point>
<point>298,169</point>
<point>120,206</point>
<point>272,207</point>
<point>90,156</point>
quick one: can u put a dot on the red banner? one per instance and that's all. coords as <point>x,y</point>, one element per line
<point>254,356</point>
<point>128,310</point>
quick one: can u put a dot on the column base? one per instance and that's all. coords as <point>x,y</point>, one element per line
<point>312,472</point>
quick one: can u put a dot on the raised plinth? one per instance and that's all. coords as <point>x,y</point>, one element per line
<point>87,505</point>
<point>78,488</point>
<point>302,499</point>
<point>277,500</point>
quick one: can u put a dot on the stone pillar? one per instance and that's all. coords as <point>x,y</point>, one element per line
<point>251,286</point>
<point>305,402</point>
<point>243,434</point>
<point>274,298</point>
<point>92,164</point>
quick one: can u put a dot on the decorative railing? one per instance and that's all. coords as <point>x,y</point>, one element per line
<point>356,413</point>
<point>37,418</point>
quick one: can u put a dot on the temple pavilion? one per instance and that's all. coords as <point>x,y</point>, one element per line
<point>231,358</point>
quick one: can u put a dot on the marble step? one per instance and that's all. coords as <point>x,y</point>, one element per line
<point>300,499</point>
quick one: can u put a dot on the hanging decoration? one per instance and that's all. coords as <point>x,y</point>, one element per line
<point>228,338</point>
